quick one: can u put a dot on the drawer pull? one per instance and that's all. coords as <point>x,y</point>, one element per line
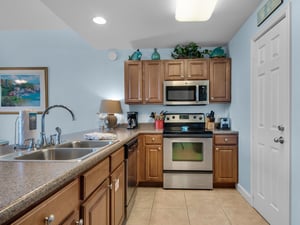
<point>225,139</point>
<point>153,139</point>
<point>79,222</point>
<point>217,149</point>
<point>49,220</point>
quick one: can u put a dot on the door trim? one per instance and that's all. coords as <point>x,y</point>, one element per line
<point>284,13</point>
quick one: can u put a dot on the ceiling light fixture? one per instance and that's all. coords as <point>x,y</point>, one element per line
<point>194,10</point>
<point>99,20</point>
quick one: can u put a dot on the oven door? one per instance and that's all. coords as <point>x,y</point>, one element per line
<point>187,154</point>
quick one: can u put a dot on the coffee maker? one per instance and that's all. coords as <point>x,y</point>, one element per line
<point>132,120</point>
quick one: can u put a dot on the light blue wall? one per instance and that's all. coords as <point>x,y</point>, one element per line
<point>239,48</point>
<point>79,77</point>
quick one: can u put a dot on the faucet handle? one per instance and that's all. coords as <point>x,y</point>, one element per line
<point>31,144</point>
<point>52,139</point>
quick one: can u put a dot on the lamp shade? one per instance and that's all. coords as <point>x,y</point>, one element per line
<point>110,106</point>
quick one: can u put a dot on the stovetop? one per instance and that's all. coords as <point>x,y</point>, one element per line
<point>184,124</point>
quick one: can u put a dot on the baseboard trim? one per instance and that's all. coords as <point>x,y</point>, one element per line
<point>246,195</point>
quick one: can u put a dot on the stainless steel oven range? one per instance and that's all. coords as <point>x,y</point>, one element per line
<point>187,155</point>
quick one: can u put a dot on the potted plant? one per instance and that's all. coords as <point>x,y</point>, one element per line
<point>189,51</point>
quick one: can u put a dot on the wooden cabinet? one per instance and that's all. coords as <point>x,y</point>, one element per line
<point>225,159</point>
<point>61,208</point>
<point>186,69</point>
<point>143,82</point>
<point>117,187</point>
<point>95,193</point>
<point>151,159</point>
<point>96,209</point>
<point>133,82</point>
<point>220,80</point>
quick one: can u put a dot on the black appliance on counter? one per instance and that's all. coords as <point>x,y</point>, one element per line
<point>132,120</point>
<point>130,174</point>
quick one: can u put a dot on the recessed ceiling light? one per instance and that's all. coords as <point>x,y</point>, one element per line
<point>194,10</point>
<point>99,20</point>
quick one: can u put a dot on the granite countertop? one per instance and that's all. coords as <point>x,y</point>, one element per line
<point>24,184</point>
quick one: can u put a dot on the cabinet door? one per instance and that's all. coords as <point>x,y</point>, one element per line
<point>62,207</point>
<point>174,69</point>
<point>154,168</point>
<point>133,82</point>
<point>96,208</point>
<point>153,81</point>
<point>220,80</point>
<point>118,195</point>
<point>225,164</point>
<point>197,69</point>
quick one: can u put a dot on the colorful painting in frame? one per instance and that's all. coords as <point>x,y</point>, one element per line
<point>23,88</point>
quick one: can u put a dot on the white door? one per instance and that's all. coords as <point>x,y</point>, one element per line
<point>271,122</point>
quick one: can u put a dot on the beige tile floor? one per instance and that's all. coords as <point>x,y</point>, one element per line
<point>156,206</point>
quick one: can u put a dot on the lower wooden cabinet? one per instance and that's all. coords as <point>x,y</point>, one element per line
<point>150,159</point>
<point>118,195</point>
<point>225,160</point>
<point>96,209</point>
<point>117,179</point>
<point>60,208</point>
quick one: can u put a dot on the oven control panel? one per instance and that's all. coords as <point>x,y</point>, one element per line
<point>184,118</point>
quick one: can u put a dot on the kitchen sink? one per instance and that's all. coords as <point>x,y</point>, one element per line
<point>57,154</point>
<point>85,144</point>
<point>74,151</point>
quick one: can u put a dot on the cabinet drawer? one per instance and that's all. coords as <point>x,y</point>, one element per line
<point>94,177</point>
<point>116,159</point>
<point>60,205</point>
<point>153,139</point>
<point>226,139</point>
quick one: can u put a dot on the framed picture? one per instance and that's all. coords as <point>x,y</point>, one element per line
<point>23,88</point>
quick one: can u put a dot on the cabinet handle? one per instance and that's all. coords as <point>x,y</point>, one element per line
<point>110,186</point>
<point>79,222</point>
<point>153,139</point>
<point>212,98</point>
<point>217,149</point>
<point>159,148</point>
<point>225,139</point>
<point>49,219</point>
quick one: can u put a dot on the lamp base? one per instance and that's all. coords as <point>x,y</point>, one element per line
<point>111,121</point>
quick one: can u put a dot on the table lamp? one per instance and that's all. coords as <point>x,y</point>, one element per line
<point>110,107</point>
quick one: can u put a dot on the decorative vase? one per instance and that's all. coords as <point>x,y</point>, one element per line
<point>155,55</point>
<point>137,55</point>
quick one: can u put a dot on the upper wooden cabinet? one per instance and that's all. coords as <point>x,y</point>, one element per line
<point>186,69</point>
<point>133,72</point>
<point>220,80</point>
<point>143,82</point>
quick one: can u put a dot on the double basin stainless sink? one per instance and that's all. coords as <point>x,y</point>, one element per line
<point>69,151</point>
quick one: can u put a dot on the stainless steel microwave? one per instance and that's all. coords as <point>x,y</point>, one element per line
<point>187,92</point>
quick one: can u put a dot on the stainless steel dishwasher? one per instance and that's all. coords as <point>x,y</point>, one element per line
<point>131,174</point>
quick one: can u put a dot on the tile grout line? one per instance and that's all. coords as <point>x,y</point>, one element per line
<point>187,209</point>
<point>152,207</point>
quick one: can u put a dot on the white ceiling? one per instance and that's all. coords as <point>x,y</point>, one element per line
<point>131,23</point>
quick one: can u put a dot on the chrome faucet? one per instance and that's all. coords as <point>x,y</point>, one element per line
<point>43,138</point>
